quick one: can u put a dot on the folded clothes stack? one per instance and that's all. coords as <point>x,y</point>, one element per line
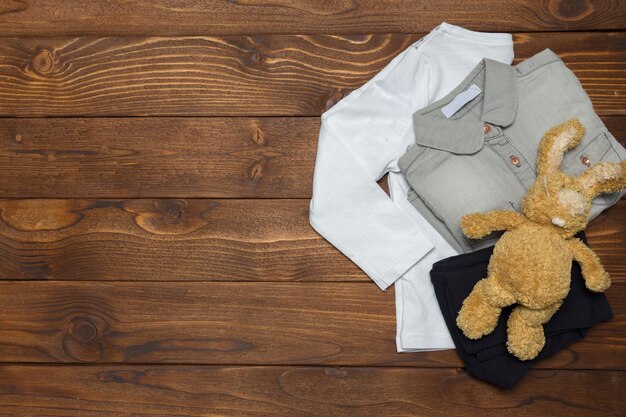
<point>458,129</point>
<point>487,358</point>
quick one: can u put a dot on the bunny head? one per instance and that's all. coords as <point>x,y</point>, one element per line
<point>563,201</point>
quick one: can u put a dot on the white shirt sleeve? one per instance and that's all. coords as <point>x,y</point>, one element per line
<point>358,144</point>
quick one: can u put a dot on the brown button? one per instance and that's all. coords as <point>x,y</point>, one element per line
<point>585,160</point>
<point>486,129</point>
<point>515,160</point>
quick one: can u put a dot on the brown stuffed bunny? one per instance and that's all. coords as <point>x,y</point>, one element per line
<point>531,262</point>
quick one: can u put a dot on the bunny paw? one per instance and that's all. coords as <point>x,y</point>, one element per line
<point>598,282</point>
<point>475,226</point>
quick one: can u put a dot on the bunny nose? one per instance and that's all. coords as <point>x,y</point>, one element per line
<point>557,221</point>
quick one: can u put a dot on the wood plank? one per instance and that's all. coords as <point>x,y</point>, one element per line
<point>238,323</point>
<point>87,391</point>
<point>157,157</point>
<point>269,157</point>
<point>242,240</point>
<point>245,75</point>
<point>202,17</point>
<point>215,240</point>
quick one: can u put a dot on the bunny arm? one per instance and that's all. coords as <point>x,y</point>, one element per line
<point>477,225</point>
<point>596,278</point>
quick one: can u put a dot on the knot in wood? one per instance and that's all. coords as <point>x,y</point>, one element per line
<point>175,209</point>
<point>258,136</point>
<point>175,213</point>
<point>334,98</point>
<point>83,330</point>
<point>571,9</point>
<point>43,62</point>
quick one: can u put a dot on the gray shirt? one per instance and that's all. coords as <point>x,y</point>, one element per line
<point>476,149</point>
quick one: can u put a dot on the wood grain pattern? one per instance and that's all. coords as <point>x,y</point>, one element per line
<point>157,157</point>
<point>238,323</point>
<point>607,237</point>
<point>201,17</point>
<point>617,126</point>
<point>245,75</point>
<point>195,239</point>
<point>107,391</point>
<point>179,239</point>
<point>269,157</point>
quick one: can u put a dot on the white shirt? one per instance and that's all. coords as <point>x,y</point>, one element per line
<point>361,139</point>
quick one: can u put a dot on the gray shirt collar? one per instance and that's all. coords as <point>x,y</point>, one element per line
<point>465,135</point>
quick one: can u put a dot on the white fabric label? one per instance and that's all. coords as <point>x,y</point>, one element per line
<point>461,100</point>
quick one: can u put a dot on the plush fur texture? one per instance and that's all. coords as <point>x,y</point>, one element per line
<point>531,262</point>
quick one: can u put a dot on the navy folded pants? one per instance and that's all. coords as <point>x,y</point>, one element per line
<point>487,358</point>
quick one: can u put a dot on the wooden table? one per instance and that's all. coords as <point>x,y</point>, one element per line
<point>155,173</point>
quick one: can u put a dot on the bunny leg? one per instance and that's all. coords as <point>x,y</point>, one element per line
<point>480,310</point>
<point>525,330</point>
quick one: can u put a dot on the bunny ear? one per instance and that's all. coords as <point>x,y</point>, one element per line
<point>605,177</point>
<point>555,143</point>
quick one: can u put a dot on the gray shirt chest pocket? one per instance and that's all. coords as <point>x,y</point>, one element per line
<point>452,185</point>
<point>599,149</point>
